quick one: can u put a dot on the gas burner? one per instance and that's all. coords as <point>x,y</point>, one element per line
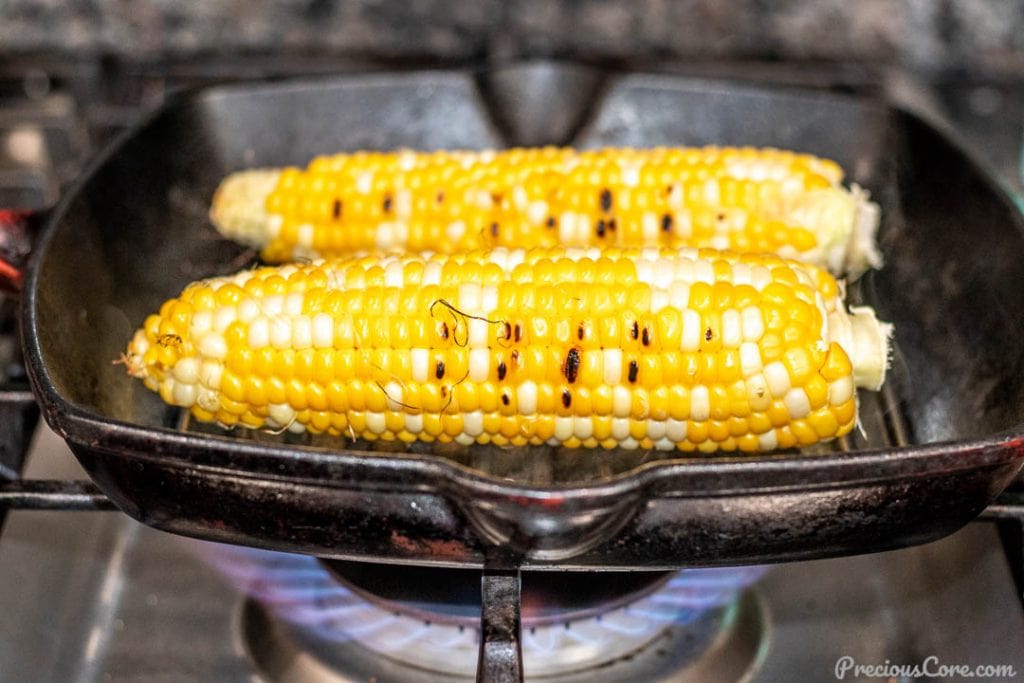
<point>305,619</point>
<point>723,644</point>
<point>452,596</point>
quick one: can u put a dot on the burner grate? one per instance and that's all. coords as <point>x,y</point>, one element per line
<point>18,410</point>
<point>298,606</point>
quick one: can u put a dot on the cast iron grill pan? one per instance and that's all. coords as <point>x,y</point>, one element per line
<point>936,446</point>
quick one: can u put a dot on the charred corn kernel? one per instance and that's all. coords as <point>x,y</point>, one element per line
<point>762,200</point>
<point>652,378</point>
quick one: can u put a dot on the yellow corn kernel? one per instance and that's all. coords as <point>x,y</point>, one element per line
<point>620,367</point>
<point>460,201</point>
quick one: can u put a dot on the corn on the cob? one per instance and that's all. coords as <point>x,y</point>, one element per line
<point>589,347</point>
<point>742,199</point>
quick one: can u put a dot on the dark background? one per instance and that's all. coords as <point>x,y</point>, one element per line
<point>933,36</point>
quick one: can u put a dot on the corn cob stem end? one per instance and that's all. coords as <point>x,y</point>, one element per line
<point>238,210</point>
<point>863,251</point>
<point>867,341</point>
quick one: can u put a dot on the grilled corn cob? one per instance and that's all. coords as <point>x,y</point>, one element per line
<point>728,198</point>
<point>611,347</point>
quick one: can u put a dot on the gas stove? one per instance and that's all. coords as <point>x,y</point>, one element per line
<point>97,597</point>
<point>94,596</point>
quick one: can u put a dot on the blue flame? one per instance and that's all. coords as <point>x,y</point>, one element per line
<point>299,590</point>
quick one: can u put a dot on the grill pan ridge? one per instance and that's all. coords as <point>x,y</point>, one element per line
<point>937,445</point>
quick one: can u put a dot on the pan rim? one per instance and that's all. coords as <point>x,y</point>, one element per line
<point>856,468</point>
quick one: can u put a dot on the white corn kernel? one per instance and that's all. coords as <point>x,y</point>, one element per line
<point>840,391</point>
<point>753,324</point>
<point>622,401</point>
<point>186,371</point>
<point>675,430</point>
<point>479,364</point>
<point>293,303</point>
<point>302,332</point>
<point>304,235</point>
<point>403,204</point>
<point>414,423</point>
<point>750,359</point>
<point>477,336</point>
<point>644,271</point>
<point>778,378</point>
<point>566,227</point>
<point>259,333</point>
<point>620,428</point>
<point>224,316</point>
<point>184,394</point>
<point>685,266</point>
<point>431,273</point>
<point>758,394</point>
<point>583,427</point>
<point>731,328</point>
<point>488,298</point>
<point>526,398</point>
<point>280,332</point>
<point>393,396</point>
<point>700,403</point>
<point>210,372</point>
<point>679,294</point>
<point>248,310</point>
<point>208,399</point>
<point>797,403</point>
<point>469,298</point>
<point>420,360</point>
<point>272,305</point>
<point>455,230</point>
<point>692,330</point>
<point>213,346</point>
<point>537,211</point>
<point>664,271</point>
<point>612,366</point>
<point>767,441</point>
<point>473,423</point>
<point>323,331</point>
<point>703,271</point>
<point>394,274</point>
<point>282,414</point>
<point>375,422</point>
<point>564,427</point>
<point>202,322</point>
<point>659,300</point>
<point>741,274</point>
<point>761,277</point>
<point>711,191</point>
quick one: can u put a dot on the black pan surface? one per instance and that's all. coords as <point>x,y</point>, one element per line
<point>937,445</point>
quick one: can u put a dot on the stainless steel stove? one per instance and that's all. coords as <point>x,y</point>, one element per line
<point>94,596</point>
<point>91,595</point>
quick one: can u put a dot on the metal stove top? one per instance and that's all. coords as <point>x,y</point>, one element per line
<point>94,596</point>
